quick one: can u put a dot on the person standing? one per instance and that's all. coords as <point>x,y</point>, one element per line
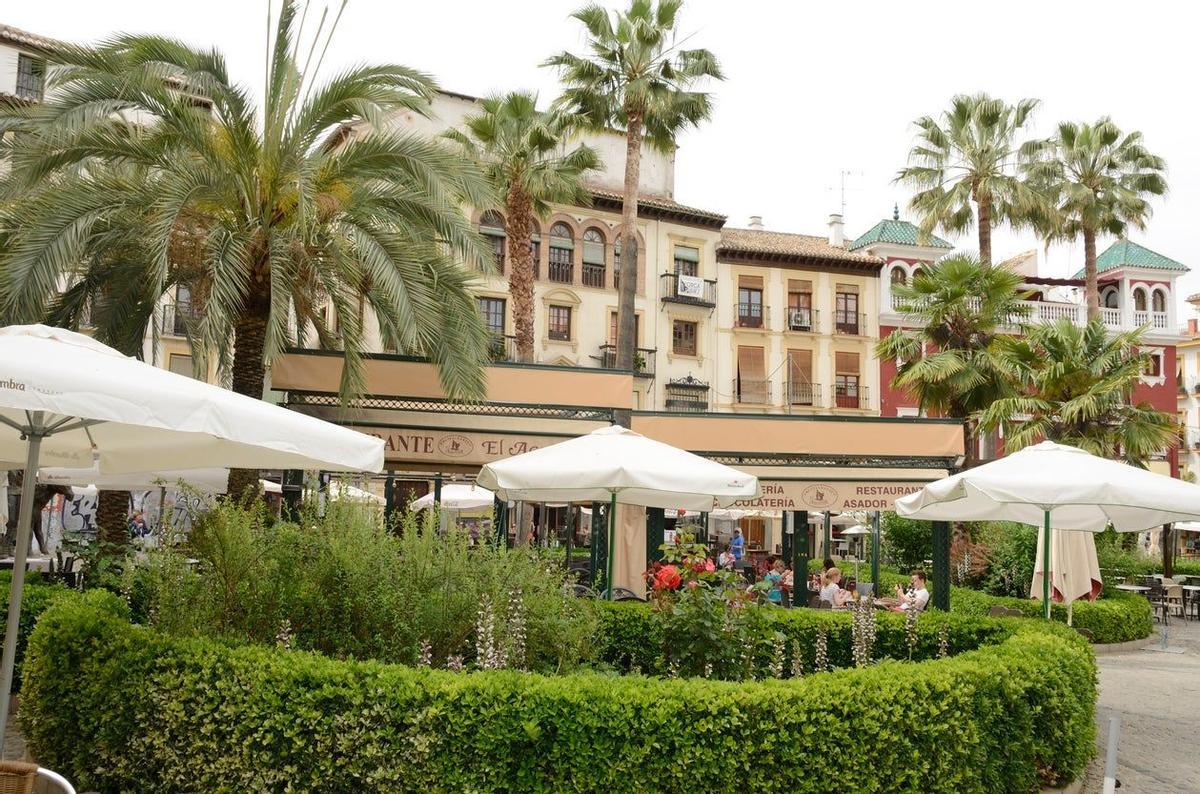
<point>737,544</point>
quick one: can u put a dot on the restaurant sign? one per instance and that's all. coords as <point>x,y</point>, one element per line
<point>836,495</point>
<point>452,446</point>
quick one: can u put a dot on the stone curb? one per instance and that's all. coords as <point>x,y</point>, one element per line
<point>1121,647</point>
<point>1070,788</point>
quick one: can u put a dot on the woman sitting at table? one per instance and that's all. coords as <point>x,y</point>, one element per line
<point>831,588</point>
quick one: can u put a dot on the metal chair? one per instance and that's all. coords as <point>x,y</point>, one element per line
<point>1158,601</point>
<point>1173,597</point>
<point>18,777</point>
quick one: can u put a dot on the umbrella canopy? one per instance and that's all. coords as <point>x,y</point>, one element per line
<point>1074,572</point>
<point>137,417</point>
<point>839,520</point>
<point>210,480</point>
<point>855,531</point>
<point>67,399</point>
<point>1080,490</point>
<point>616,461</point>
<point>458,496</point>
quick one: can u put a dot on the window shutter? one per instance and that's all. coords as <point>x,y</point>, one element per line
<point>750,282</point>
<point>751,363</point>
<point>800,365</point>
<point>687,253</point>
<point>846,363</point>
<point>797,285</point>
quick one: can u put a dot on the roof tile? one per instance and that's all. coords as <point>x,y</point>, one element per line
<point>898,232</point>
<point>759,241</point>
<point>1125,253</point>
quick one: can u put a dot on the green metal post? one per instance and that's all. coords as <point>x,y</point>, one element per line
<point>389,499</point>
<point>702,535</point>
<point>827,537</point>
<point>799,558</point>
<point>1046,569</point>
<point>572,513</point>
<point>656,519</point>
<point>786,523</point>
<point>941,565</point>
<point>500,521</point>
<point>596,545</point>
<point>875,551</point>
<point>612,539</point>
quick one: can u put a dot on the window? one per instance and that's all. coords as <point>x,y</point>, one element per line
<point>562,253</point>
<point>687,394</point>
<point>846,317</point>
<point>535,248</point>
<point>1155,369</point>
<point>491,225</point>
<point>612,327</point>
<point>800,311</point>
<point>1139,300</point>
<point>31,77</point>
<point>801,390</point>
<point>593,258</point>
<point>179,313</point>
<point>1111,299</point>
<point>687,261</point>
<point>181,364</point>
<point>617,263</point>
<point>683,338</point>
<point>1158,301</point>
<point>492,312</point>
<point>750,302</point>
<point>560,323</point>
<point>847,392</point>
<point>899,276</point>
<point>751,383</point>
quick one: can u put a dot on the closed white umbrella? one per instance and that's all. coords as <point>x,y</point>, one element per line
<point>1056,483</point>
<point>615,464</point>
<point>68,400</point>
<point>458,496</point>
<point>1075,570</point>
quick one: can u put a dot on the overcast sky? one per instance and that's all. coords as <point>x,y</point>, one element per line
<point>812,89</point>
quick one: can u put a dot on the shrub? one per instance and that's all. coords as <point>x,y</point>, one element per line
<point>905,542</point>
<point>35,599</point>
<point>143,711</point>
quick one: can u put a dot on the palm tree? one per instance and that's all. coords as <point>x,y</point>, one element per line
<point>523,152</point>
<point>637,78</point>
<point>1098,180</point>
<point>968,157</point>
<point>949,362</point>
<point>1075,386</point>
<point>148,168</point>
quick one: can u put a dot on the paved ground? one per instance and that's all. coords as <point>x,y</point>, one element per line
<point>1158,698</point>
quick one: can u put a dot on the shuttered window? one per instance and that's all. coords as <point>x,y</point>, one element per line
<point>751,385</point>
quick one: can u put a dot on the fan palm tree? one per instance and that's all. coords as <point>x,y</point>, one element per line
<point>969,156</point>
<point>1075,386</point>
<point>523,152</point>
<point>1098,180</point>
<point>639,79</point>
<point>148,168</point>
<point>948,363</point>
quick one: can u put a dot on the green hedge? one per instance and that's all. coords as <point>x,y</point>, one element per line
<point>35,598</point>
<point>121,707</point>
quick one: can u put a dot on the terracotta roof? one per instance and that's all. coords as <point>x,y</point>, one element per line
<point>18,36</point>
<point>787,244</point>
<point>663,205</point>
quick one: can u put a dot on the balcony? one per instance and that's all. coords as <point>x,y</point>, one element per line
<point>503,348</point>
<point>803,394</point>
<point>687,395</point>
<point>850,397</point>
<point>1110,317</point>
<point>562,272</point>
<point>752,392</point>
<point>1157,321</point>
<point>803,319</point>
<point>673,289</point>
<point>175,318</point>
<point>849,323</point>
<point>643,360</point>
<point>593,275</point>
<point>751,315</point>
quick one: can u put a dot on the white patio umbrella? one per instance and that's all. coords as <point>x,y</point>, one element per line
<point>1056,484</point>
<point>615,464</point>
<point>1075,572</point>
<point>71,401</point>
<point>458,496</point>
<point>208,480</point>
<point>856,531</point>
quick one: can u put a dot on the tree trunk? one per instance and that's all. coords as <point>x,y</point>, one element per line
<point>985,230</point>
<point>1093,278</point>
<point>969,443</point>
<point>1168,550</point>
<point>626,340</point>
<point>249,376</point>
<point>112,519</point>
<point>519,225</point>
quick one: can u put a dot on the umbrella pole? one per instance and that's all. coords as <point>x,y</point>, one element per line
<point>34,435</point>
<point>612,532</point>
<point>1046,566</point>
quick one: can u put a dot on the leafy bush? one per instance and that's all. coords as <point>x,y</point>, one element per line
<point>345,586</point>
<point>35,599</point>
<point>905,542</point>
<point>1013,554</point>
<point>144,711</point>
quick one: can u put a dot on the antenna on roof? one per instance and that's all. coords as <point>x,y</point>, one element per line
<point>842,186</point>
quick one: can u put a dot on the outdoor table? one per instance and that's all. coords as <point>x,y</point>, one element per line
<point>1133,588</point>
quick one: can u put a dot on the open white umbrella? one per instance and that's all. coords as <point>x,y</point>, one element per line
<point>458,496</point>
<point>615,464</point>
<point>1055,484</point>
<point>68,400</point>
<point>208,480</point>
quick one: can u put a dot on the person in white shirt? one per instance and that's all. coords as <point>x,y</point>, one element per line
<point>917,596</point>
<point>831,589</point>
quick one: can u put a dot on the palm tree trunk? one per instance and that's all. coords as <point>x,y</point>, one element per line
<point>969,442</point>
<point>249,376</point>
<point>112,519</point>
<point>519,225</point>
<point>626,340</point>
<point>1093,278</point>
<point>985,230</point>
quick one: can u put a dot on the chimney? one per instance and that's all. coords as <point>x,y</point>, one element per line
<point>1192,330</point>
<point>837,237</point>
<point>756,222</point>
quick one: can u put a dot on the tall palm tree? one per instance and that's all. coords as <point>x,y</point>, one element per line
<point>147,167</point>
<point>638,78</point>
<point>1075,386</point>
<point>969,156</point>
<point>949,361</point>
<point>524,153</point>
<point>1098,180</point>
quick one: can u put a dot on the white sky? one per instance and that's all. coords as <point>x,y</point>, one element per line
<point>812,89</point>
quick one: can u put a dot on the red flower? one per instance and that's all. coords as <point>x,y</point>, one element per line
<point>709,566</point>
<point>667,578</point>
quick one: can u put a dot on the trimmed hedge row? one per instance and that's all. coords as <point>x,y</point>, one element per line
<point>35,599</point>
<point>121,707</point>
<point>1114,617</point>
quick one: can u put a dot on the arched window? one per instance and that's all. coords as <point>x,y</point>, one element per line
<point>899,276</point>
<point>491,225</point>
<point>1139,300</point>
<point>593,257</point>
<point>562,253</point>
<point>1111,299</point>
<point>1158,301</point>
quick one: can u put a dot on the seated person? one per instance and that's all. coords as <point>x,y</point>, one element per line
<point>917,595</point>
<point>774,580</point>
<point>831,588</point>
<point>726,559</point>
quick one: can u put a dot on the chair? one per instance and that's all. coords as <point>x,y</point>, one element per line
<point>1158,601</point>
<point>823,604</point>
<point>1173,596</point>
<point>623,594</point>
<point>18,777</point>
<point>866,589</point>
